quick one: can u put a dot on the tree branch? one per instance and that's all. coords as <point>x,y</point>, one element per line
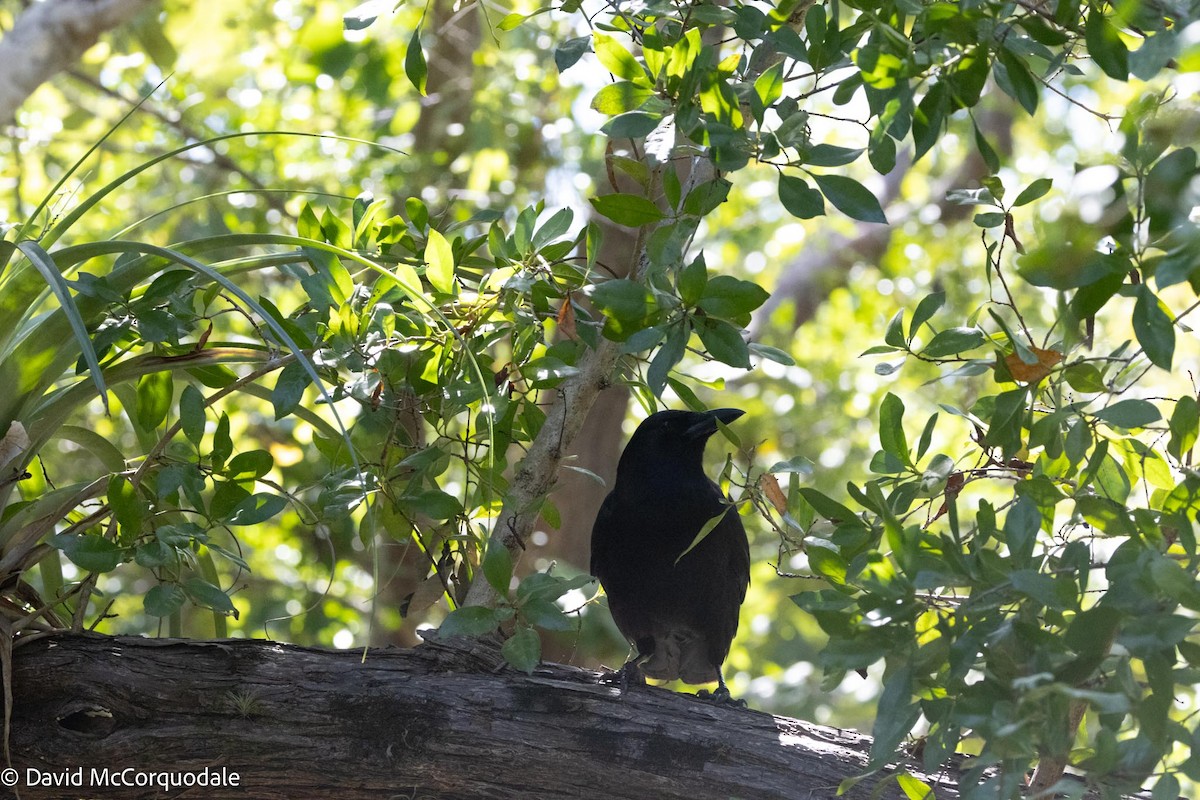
<point>50,37</point>
<point>434,722</point>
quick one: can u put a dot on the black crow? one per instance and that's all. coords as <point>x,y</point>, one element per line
<point>680,613</point>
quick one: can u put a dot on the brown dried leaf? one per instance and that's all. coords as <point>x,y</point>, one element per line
<point>770,487</point>
<point>1032,373</point>
<point>566,319</point>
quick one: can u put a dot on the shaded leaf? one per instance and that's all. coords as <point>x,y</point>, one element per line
<point>627,209</point>
<point>800,199</point>
<point>1130,414</point>
<point>850,197</point>
<point>523,650</point>
<point>414,63</point>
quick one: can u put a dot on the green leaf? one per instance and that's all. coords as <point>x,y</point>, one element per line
<point>1093,297</point>
<point>953,341</point>
<point>251,465</point>
<point>1105,46</point>
<point>91,552</point>
<point>724,342</point>
<point>705,530</point>
<point>154,554</point>
<point>772,354</point>
<point>498,565</point>
<point>895,716</point>
<point>568,53</point>
<point>631,125</point>
<point>358,18</point>
<point>439,260</point>
<point>986,151</point>
<point>928,306</point>
<point>616,59</point>
<point>257,508</point>
<point>1175,582</point>
<point>1033,191</point>
<point>706,197</point>
<point>1021,527</point>
<point>1004,424</point>
<point>827,507</point>
<point>1129,414</point>
<point>827,563</point>
<point>546,614</point>
<point>163,600</point>
<point>511,21</point>
<point>126,506</point>
<point>523,650</point>
<point>801,200</point>
<point>44,264</point>
<point>470,621</point>
<point>991,219</point>
<point>191,414</point>
<point>891,428</point>
<point>727,297</point>
<point>769,85</point>
<point>558,224</point>
<point>414,63</point>
<point>627,209</point>
<point>881,152</point>
<point>1015,79</point>
<point>691,281</point>
<point>914,788</point>
<point>1185,425</point>
<point>831,155</point>
<point>1084,378</point>
<point>850,197</point>
<point>289,389</point>
<point>620,97</point>
<point>206,595</point>
<point>436,504</point>
<point>155,393</point>
<point>666,358</point>
<point>622,298</point>
<point>1153,328</point>
<point>544,586</point>
<point>1166,788</point>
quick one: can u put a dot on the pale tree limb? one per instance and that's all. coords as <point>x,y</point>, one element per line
<point>536,473</point>
<point>51,37</point>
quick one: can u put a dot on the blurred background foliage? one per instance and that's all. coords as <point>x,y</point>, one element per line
<point>334,116</point>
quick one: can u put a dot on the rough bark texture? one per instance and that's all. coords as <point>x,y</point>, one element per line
<point>432,722</point>
<point>50,37</point>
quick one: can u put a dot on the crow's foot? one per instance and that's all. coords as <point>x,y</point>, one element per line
<point>721,697</point>
<point>626,676</point>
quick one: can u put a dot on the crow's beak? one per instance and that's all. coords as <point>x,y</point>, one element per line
<point>707,424</point>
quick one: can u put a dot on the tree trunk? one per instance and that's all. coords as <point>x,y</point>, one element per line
<point>438,721</point>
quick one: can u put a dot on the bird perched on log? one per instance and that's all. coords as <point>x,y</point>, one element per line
<point>677,607</point>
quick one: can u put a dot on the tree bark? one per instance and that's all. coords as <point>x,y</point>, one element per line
<point>444,720</point>
<point>50,37</point>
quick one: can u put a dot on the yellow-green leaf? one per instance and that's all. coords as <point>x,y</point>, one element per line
<point>439,260</point>
<point>616,59</point>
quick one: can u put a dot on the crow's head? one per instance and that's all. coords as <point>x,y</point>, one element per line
<point>671,437</point>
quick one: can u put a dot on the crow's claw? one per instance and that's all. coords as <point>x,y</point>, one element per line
<point>628,675</point>
<point>721,697</point>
